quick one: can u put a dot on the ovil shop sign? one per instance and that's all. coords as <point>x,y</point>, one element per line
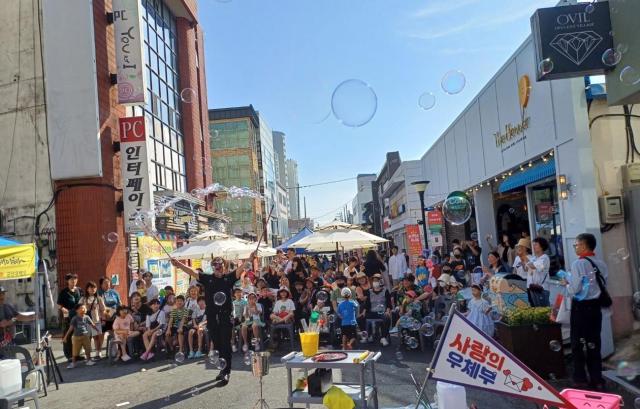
<point>570,40</point>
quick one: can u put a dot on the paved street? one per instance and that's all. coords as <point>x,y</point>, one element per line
<point>164,384</point>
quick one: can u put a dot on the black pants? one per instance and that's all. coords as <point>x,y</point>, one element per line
<point>66,346</point>
<point>220,328</point>
<point>586,325</point>
<point>386,322</point>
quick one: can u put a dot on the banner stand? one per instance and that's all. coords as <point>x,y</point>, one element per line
<point>435,356</point>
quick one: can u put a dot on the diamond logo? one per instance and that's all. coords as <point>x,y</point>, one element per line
<point>576,46</point>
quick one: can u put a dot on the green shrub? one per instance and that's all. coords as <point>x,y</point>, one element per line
<point>527,316</point>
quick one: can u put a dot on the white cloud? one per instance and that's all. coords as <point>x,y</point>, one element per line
<point>442,6</point>
<point>478,22</point>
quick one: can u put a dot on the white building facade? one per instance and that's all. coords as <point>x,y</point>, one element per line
<point>362,199</point>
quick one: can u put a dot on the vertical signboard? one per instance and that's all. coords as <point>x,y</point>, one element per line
<point>414,243</point>
<point>136,194</point>
<point>127,23</point>
<point>435,220</point>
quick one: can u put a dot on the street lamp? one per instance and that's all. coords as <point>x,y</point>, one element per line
<point>421,186</point>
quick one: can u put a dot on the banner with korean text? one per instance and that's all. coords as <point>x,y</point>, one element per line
<point>414,243</point>
<point>136,193</point>
<point>18,261</point>
<point>468,357</point>
<point>127,23</point>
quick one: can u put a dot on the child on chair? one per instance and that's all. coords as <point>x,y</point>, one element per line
<point>123,330</point>
<point>156,323</point>
<point>198,327</point>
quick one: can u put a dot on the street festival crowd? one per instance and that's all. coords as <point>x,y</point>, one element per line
<point>354,300</point>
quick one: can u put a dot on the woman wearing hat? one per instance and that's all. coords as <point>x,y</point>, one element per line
<point>284,308</point>
<point>523,257</point>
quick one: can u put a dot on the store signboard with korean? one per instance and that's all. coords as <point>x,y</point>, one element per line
<point>127,23</point>
<point>136,193</point>
<point>435,220</point>
<point>414,243</point>
<point>571,40</point>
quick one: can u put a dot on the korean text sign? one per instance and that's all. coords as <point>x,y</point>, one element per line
<point>17,261</point>
<point>468,357</point>
<point>414,242</point>
<point>127,23</point>
<point>136,193</point>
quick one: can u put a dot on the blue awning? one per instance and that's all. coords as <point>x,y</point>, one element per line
<point>532,174</point>
<point>298,236</point>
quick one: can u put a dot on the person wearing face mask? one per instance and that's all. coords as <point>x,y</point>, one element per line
<point>217,292</point>
<point>458,266</point>
<point>378,306</point>
<point>336,293</point>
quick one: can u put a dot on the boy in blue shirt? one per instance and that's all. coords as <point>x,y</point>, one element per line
<point>347,311</point>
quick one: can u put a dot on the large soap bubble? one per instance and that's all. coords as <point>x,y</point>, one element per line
<point>354,103</point>
<point>457,208</point>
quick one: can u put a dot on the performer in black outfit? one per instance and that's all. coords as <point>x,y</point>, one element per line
<point>219,320</point>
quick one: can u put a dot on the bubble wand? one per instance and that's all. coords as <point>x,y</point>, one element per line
<point>265,228</point>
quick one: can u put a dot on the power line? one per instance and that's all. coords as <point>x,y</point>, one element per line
<point>322,183</point>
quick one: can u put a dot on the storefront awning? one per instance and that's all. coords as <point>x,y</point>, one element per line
<point>533,174</point>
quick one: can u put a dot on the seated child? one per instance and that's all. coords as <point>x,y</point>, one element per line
<point>347,311</point>
<point>252,319</point>
<point>123,330</point>
<point>198,327</point>
<point>156,323</point>
<point>175,327</point>
<point>141,288</point>
<point>284,309</point>
<point>79,326</point>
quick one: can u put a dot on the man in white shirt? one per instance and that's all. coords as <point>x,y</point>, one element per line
<point>288,267</point>
<point>397,266</point>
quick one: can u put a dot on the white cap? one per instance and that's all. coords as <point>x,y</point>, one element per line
<point>346,292</point>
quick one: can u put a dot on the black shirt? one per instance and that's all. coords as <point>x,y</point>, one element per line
<point>272,280</point>
<point>140,315</point>
<point>213,285</point>
<point>69,299</point>
<point>373,266</point>
<point>267,306</point>
<point>471,259</point>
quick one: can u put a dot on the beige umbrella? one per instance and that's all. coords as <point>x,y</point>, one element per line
<point>210,235</point>
<point>332,239</point>
<point>230,248</point>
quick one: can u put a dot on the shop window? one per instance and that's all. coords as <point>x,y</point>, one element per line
<point>546,218</point>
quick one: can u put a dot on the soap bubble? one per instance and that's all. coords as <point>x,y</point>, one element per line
<point>589,8</point>
<point>623,253</point>
<point>512,210</point>
<point>453,82</point>
<point>194,391</point>
<point>222,363</point>
<point>611,57</point>
<point>188,95</point>
<point>322,296</point>
<point>179,358</point>
<point>427,101</point>
<point>427,330</point>
<point>622,48</point>
<point>332,319</point>
<point>338,331</point>
<point>545,66</point>
<point>436,343</point>
<point>636,297</point>
<point>354,103</point>
<point>555,345</point>
<point>214,357</point>
<point>552,376</point>
<point>399,355</point>
<point>445,318</point>
<point>364,335</point>
<point>591,345</point>
<point>636,403</point>
<point>247,359</point>
<point>143,370</point>
<point>626,370</point>
<point>219,298</point>
<point>629,75</point>
<point>112,237</point>
<point>415,325</point>
<point>412,343</point>
<point>457,209</point>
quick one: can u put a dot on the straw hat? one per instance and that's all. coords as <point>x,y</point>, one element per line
<point>455,283</point>
<point>360,275</point>
<point>285,289</point>
<point>524,243</point>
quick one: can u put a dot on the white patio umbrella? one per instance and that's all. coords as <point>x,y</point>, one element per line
<point>338,225</point>
<point>229,248</point>
<point>331,240</point>
<point>211,235</point>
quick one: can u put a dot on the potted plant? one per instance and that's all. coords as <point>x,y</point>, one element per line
<point>534,339</point>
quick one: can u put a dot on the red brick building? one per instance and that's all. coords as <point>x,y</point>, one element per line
<point>88,209</point>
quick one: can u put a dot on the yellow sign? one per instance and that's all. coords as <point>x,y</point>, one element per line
<point>17,261</point>
<point>152,258</point>
<point>524,90</point>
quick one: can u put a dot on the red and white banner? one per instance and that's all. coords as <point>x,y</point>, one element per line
<point>414,243</point>
<point>468,357</point>
<point>136,193</point>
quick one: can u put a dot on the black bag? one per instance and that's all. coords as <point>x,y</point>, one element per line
<point>154,324</point>
<point>319,382</point>
<point>604,298</point>
<point>538,296</point>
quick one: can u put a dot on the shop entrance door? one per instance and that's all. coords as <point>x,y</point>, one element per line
<point>511,213</point>
<point>545,220</point>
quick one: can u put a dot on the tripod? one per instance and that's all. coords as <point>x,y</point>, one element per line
<point>53,371</point>
<point>261,403</point>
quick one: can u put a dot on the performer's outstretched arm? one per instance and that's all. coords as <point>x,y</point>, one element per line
<point>193,273</point>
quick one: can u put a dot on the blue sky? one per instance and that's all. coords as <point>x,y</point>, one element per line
<point>287,56</point>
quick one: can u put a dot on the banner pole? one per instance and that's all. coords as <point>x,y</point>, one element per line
<point>435,356</point>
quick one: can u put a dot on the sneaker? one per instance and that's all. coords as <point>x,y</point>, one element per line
<point>150,355</point>
<point>245,348</point>
<point>234,348</point>
<point>71,365</point>
<point>144,356</point>
<point>191,355</point>
<point>90,362</point>
<point>197,355</point>
<point>98,356</point>
<point>126,358</point>
<point>394,330</point>
<point>384,341</point>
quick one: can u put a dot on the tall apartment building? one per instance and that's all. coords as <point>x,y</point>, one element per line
<point>280,151</point>
<point>294,192</point>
